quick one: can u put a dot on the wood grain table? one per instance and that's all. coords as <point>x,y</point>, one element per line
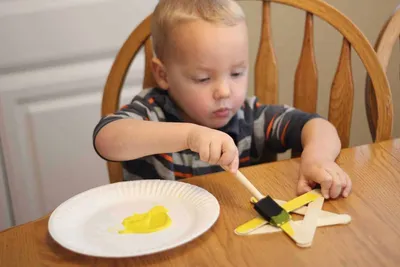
<point>371,239</point>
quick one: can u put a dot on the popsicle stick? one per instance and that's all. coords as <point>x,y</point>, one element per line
<point>295,232</point>
<point>292,208</point>
<point>325,218</point>
<point>290,229</point>
<point>302,200</point>
<point>288,206</point>
<point>252,225</point>
<point>333,219</point>
<point>310,222</point>
<point>302,234</point>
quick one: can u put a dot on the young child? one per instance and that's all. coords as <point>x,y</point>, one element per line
<point>199,119</point>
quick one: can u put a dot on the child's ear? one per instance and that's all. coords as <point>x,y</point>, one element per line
<point>159,73</point>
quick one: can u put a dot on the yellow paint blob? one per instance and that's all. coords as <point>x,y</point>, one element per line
<point>152,221</point>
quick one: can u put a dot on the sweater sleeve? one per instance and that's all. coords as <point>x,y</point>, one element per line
<point>282,126</point>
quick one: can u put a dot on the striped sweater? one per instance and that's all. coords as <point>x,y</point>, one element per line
<point>259,131</point>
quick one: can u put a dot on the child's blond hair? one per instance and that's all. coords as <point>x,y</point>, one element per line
<point>169,13</point>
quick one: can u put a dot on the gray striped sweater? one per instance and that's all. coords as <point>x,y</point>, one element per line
<point>259,131</point>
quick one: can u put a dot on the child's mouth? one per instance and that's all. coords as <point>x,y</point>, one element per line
<point>222,113</point>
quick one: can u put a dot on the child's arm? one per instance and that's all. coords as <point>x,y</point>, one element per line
<point>128,139</point>
<point>288,128</point>
<point>322,145</point>
<point>320,139</point>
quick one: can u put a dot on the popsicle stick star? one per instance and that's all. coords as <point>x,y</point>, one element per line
<point>301,231</point>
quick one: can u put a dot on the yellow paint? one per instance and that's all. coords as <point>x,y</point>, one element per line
<point>297,202</point>
<point>300,201</point>
<point>287,228</point>
<point>289,206</point>
<point>152,221</point>
<point>250,225</point>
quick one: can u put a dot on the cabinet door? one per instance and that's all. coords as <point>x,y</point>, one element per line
<point>55,57</point>
<point>47,142</point>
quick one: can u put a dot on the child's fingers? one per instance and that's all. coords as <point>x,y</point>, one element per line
<point>204,153</point>
<point>349,184</point>
<point>336,185</point>
<point>343,180</point>
<point>234,166</point>
<point>340,182</point>
<point>324,178</point>
<point>229,156</point>
<point>303,186</point>
<point>215,152</point>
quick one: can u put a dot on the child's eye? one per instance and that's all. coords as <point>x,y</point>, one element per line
<point>202,80</point>
<point>237,74</point>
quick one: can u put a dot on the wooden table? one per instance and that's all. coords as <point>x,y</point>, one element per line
<point>371,239</point>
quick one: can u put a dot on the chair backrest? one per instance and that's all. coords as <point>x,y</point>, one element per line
<point>266,72</point>
<point>384,45</point>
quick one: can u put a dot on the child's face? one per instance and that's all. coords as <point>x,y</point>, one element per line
<point>206,69</point>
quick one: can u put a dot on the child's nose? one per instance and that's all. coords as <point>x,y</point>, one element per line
<point>222,91</point>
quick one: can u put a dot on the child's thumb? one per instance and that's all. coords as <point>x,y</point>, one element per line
<point>303,186</point>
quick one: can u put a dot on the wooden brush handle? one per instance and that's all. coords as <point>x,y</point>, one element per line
<point>246,183</point>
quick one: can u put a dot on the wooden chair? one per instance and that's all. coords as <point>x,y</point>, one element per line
<point>387,38</point>
<point>266,78</point>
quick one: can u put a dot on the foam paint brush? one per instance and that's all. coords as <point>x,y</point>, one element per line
<point>271,211</point>
<point>295,205</point>
<point>265,206</point>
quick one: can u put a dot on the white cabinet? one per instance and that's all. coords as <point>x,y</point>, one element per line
<point>54,63</point>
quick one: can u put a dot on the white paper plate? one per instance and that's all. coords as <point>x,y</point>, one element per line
<point>88,222</point>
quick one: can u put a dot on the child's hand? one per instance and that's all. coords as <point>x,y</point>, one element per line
<point>214,147</point>
<point>333,180</point>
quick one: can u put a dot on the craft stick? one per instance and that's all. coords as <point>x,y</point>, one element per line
<point>259,225</point>
<point>310,222</point>
<point>289,229</point>
<point>302,200</point>
<point>302,234</point>
<point>294,231</point>
<point>332,219</point>
<point>282,203</point>
<point>299,232</point>
<point>252,225</point>
<point>288,206</point>
<point>259,222</point>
